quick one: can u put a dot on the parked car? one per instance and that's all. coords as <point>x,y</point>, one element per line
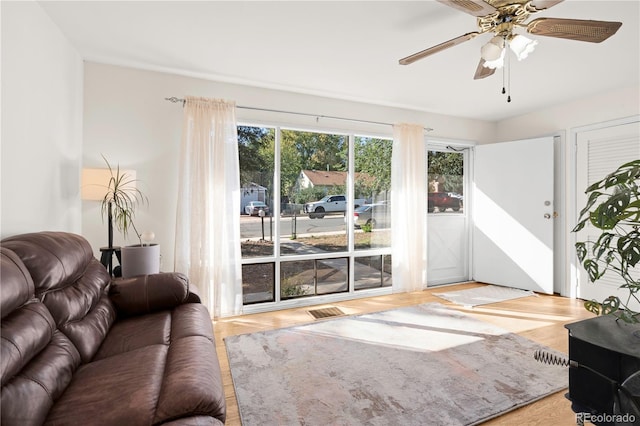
<point>328,204</point>
<point>376,215</point>
<point>443,201</point>
<point>253,208</point>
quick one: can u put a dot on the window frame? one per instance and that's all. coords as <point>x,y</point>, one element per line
<point>350,253</point>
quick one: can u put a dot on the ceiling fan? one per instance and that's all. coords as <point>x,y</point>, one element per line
<point>502,17</point>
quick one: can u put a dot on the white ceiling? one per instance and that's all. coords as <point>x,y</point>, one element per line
<point>350,50</point>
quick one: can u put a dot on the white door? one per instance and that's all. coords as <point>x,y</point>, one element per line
<point>447,224</point>
<point>600,152</point>
<point>513,214</point>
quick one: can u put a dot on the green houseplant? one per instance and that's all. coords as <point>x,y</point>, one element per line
<point>119,204</point>
<point>120,201</point>
<point>613,207</point>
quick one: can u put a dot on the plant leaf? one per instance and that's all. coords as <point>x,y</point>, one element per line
<point>591,266</point>
<point>590,202</point>
<point>592,306</point>
<point>629,249</point>
<point>610,305</point>
<point>580,225</point>
<point>602,244</point>
<point>581,251</point>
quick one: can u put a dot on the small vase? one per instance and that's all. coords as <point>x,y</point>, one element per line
<point>140,260</point>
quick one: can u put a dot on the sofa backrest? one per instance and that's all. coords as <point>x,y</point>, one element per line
<point>71,283</point>
<point>36,360</point>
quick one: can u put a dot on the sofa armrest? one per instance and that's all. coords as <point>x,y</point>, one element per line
<point>150,293</point>
<point>194,294</point>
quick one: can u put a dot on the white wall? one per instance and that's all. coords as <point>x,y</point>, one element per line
<point>41,124</point>
<point>597,109</point>
<point>127,119</point>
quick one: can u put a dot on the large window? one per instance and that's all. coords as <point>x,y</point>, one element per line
<point>310,226</point>
<point>372,220</point>
<point>256,152</point>
<point>313,176</point>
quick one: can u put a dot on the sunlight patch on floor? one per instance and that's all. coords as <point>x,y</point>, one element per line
<point>418,331</point>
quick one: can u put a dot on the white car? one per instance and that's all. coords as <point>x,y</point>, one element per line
<point>254,207</point>
<point>329,204</point>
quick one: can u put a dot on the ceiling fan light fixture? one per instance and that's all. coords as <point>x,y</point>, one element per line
<point>521,46</point>
<point>493,50</point>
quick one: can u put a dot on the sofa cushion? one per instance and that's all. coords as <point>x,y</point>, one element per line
<point>71,283</point>
<point>25,333</point>
<point>119,390</point>
<point>17,285</point>
<point>157,328</point>
<point>135,333</point>
<point>54,259</point>
<point>29,395</point>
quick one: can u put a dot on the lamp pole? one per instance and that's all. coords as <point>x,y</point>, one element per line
<point>110,226</point>
<point>106,257</point>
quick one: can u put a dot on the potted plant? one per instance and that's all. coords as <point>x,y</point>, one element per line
<point>613,207</point>
<point>119,204</point>
<point>604,351</point>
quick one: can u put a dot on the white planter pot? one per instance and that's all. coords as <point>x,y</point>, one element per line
<point>140,260</point>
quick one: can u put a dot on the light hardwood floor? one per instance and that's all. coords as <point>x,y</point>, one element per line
<point>540,319</point>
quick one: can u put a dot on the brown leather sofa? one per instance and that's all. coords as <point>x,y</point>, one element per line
<point>79,349</point>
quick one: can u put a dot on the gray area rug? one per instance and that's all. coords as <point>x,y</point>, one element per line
<point>484,295</point>
<point>419,365</point>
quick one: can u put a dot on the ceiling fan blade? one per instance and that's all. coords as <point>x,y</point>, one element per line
<point>482,71</point>
<point>473,7</point>
<point>574,29</point>
<point>544,4</point>
<point>438,48</point>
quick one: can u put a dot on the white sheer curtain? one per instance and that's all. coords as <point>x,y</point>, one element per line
<point>208,217</point>
<point>409,208</point>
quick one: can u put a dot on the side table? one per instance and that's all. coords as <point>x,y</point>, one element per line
<point>106,257</point>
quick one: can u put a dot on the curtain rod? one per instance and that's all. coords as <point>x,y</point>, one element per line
<point>176,100</point>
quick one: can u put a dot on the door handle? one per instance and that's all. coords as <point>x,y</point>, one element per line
<point>547,216</point>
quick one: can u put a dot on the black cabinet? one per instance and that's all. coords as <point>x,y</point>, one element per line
<point>604,353</point>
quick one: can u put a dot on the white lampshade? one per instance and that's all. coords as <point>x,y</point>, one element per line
<point>490,52</point>
<point>521,46</point>
<point>497,63</point>
<point>493,50</point>
<point>95,182</point>
<point>493,53</point>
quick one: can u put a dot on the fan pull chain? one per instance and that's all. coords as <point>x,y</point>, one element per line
<point>508,77</point>
<point>506,72</point>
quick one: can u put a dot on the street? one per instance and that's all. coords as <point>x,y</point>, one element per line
<point>251,226</point>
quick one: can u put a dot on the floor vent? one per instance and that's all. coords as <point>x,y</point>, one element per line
<point>326,313</point>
